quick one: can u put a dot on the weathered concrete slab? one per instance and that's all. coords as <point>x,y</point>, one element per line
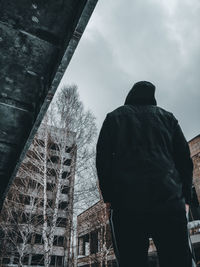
<point>25,66</point>
<point>37,41</point>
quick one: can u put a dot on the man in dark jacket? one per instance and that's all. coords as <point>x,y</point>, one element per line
<point>145,174</point>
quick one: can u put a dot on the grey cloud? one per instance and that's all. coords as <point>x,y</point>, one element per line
<point>136,40</point>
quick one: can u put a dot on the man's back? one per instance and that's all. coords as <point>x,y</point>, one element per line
<point>145,169</point>
<point>143,150</point>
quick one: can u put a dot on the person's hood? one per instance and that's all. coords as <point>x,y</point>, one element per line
<point>142,93</point>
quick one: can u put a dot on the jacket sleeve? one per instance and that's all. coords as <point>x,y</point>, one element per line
<point>103,160</point>
<point>183,162</point>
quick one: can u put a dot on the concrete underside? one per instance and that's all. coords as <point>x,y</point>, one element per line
<point>37,41</point>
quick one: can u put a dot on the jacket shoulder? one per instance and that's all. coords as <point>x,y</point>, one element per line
<point>120,110</point>
<point>166,113</point>
<point>127,109</point>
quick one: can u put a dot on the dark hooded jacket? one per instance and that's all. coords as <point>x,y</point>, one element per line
<point>143,160</point>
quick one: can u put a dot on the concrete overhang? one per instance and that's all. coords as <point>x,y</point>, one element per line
<point>37,41</point>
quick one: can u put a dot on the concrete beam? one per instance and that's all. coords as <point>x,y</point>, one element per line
<point>37,41</point>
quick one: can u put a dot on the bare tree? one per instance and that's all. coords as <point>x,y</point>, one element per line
<point>94,223</point>
<point>55,173</point>
<point>62,146</point>
<point>72,116</point>
<point>16,221</point>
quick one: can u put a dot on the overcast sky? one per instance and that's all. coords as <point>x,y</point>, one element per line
<point>128,41</point>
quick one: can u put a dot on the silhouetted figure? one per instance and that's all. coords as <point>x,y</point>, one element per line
<point>145,174</point>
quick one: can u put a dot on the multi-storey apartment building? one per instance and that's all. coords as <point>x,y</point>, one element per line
<point>51,158</point>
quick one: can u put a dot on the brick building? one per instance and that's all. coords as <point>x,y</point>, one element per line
<point>94,241</point>
<point>94,237</point>
<point>26,200</point>
<point>194,145</point>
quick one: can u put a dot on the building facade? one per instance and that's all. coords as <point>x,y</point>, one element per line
<point>94,239</point>
<point>194,224</point>
<point>94,245</point>
<point>194,145</point>
<point>35,209</point>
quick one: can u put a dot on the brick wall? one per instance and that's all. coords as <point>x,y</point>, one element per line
<point>194,145</point>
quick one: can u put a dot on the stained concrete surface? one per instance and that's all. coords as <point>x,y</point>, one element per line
<point>37,41</point>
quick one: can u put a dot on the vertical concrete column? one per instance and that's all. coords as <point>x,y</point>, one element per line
<point>37,41</point>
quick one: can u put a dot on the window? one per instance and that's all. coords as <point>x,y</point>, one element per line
<point>38,202</point>
<point>54,146</point>
<point>65,190</point>
<point>25,217</point>
<point>33,184</point>
<point>19,181</point>
<point>19,238</point>
<point>68,149</point>
<point>21,198</point>
<point>27,200</point>
<point>56,261</point>
<point>6,260</point>
<point>50,187</point>
<point>37,260</point>
<point>63,205</point>
<point>40,142</point>
<point>26,260</point>
<point>29,166</point>
<point>49,220</point>
<point>65,175</point>
<point>52,172</point>
<point>29,239</point>
<point>94,242</point>
<point>38,239</point>
<point>67,162</point>
<point>24,199</point>
<point>58,241</point>
<point>53,261</point>
<point>84,245</point>
<point>40,219</point>
<point>16,258</point>
<point>34,155</point>
<point>54,159</point>
<point>59,260</point>
<point>35,169</point>
<point>30,154</point>
<point>15,217</point>
<point>61,222</point>
<point>50,203</point>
